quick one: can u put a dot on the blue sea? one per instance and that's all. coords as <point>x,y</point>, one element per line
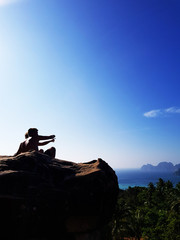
<point>136,177</point>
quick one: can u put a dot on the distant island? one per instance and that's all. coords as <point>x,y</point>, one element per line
<point>162,167</point>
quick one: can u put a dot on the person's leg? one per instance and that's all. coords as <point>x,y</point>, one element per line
<point>41,151</point>
<point>51,152</point>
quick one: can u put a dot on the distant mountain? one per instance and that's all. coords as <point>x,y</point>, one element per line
<point>161,167</point>
<point>177,172</point>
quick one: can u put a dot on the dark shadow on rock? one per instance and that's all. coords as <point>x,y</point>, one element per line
<point>44,198</point>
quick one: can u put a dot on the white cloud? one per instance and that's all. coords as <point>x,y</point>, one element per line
<point>172,110</point>
<point>161,112</point>
<point>6,2</point>
<point>152,113</point>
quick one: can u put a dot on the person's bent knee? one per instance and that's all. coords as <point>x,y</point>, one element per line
<point>51,152</point>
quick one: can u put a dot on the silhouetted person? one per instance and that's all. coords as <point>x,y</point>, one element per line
<point>33,141</point>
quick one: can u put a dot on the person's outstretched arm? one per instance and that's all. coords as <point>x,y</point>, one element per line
<point>45,137</point>
<point>44,143</point>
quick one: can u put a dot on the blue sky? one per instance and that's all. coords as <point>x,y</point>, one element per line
<point>103,76</point>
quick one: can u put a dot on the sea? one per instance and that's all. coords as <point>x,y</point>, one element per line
<point>136,177</point>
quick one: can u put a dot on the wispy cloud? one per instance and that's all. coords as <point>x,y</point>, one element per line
<point>152,113</point>
<point>172,110</point>
<point>162,112</point>
<point>6,2</point>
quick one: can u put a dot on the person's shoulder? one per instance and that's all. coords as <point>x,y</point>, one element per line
<point>29,140</point>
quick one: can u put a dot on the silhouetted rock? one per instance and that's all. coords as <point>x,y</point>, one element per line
<point>44,198</point>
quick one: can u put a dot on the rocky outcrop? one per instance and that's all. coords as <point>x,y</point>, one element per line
<point>44,198</point>
<point>161,167</point>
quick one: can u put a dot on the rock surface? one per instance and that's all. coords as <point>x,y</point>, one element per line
<point>43,198</point>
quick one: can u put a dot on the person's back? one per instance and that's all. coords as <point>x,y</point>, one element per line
<point>31,144</point>
<point>22,148</point>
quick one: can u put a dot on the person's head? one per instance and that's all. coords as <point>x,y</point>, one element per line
<point>31,132</point>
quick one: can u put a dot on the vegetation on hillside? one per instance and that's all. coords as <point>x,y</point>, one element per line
<point>150,213</point>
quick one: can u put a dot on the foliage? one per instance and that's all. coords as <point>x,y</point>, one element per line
<point>150,213</point>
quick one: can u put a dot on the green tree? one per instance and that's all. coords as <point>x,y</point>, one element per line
<point>152,213</point>
<point>136,221</point>
<point>150,191</point>
<point>173,227</point>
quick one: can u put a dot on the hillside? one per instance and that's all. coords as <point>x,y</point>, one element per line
<point>161,167</point>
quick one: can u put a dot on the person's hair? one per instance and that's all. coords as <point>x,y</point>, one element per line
<point>26,135</point>
<point>31,132</point>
